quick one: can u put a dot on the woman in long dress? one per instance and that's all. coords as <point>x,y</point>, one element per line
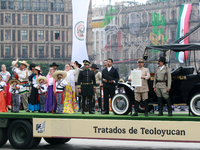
<point>5,77</point>
<point>51,86</point>
<point>3,107</point>
<point>33,101</point>
<point>70,105</point>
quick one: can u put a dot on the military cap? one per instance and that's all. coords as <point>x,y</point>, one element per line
<point>86,62</point>
<point>140,60</point>
<point>94,66</point>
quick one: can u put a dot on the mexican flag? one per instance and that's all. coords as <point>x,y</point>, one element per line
<point>182,29</point>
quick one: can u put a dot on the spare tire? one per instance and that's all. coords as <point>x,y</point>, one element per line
<point>121,104</point>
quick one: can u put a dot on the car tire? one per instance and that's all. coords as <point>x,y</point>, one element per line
<point>120,104</point>
<point>20,134</point>
<point>3,136</point>
<point>57,141</point>
<point>195,105</point>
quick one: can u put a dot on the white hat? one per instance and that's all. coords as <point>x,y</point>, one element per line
<point>55,74</point>
<point>24,62</point>
<point>14,63</point>
<point>41,78</point>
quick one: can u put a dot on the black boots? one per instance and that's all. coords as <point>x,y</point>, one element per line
<point>160,106</point>
<point>146,108</point>
<point>136,105</point>
<point>169,107</point>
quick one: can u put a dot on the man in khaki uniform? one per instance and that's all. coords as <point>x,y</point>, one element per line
<point>143,90</point>
<point>162,85</point>
<point>78,66</point>
<point>98,77</point>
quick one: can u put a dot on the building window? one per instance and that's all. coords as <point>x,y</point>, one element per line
<point>41,34</point>
<point>24,52</point>
<point>7,52</point>
<point>24,18</point>
<point>41,19</point>
<point>53,5</point>
<point>60,5</point>
<point>24,34</point>
<point>57,51</point>
<point>44,4</point>
<point>57,19</point>
<point>57,35</point>
<point>7,18</point>
<point>7,35</point>
<point>36,5</point>
<point>11,4</point>
<point>20,5</point>
<point>28,4</point>
<point>41,51</point>
<point>3,4</point>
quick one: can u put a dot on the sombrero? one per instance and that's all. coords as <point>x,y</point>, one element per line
<point>14,63</point>
<point>55,74</point>
<point>38,68</point>
<point>41,78</point>
<point>12,80</point>
<point>24,62</point>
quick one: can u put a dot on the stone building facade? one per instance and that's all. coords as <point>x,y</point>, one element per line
<point>39,30</point>
<point>139,25</point>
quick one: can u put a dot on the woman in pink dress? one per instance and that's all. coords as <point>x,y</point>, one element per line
<point>5,77</point>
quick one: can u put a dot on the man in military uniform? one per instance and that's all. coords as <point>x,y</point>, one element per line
<point>143,90</point>
<point>98,77</point>
<point>162,85</point>
<point>87,81</point>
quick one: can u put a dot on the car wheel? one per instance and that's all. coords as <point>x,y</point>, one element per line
<point>20,134</point>
<point>56,141</point>
<point>3,136</point>
<point>195,105</point>
<point>34,142</point>
<point>120,104</point>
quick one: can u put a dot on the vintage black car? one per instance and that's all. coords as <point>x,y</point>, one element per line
<point>185,84</point>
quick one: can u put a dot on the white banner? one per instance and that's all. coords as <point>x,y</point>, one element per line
<point>80,13</point>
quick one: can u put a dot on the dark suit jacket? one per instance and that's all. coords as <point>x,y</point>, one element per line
<point>111,75</point>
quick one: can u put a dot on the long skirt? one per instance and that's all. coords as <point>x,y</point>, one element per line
<point>50,100</point>
<point>8,95</point>
<point>70,105</point>
<point>33,101</point>
<point>3,107</point>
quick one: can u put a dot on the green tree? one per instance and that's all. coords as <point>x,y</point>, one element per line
<point>123,70</point>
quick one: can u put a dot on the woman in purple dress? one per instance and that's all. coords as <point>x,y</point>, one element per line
<point>51,86</point>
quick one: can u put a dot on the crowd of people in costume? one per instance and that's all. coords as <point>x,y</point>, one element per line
<point>66,91</point>
<point>26,86</point>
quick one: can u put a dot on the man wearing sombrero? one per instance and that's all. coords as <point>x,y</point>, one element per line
<point>98,77</point>
<point>23,78</point>
<point>14,90</point>
<point>59,76</point>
